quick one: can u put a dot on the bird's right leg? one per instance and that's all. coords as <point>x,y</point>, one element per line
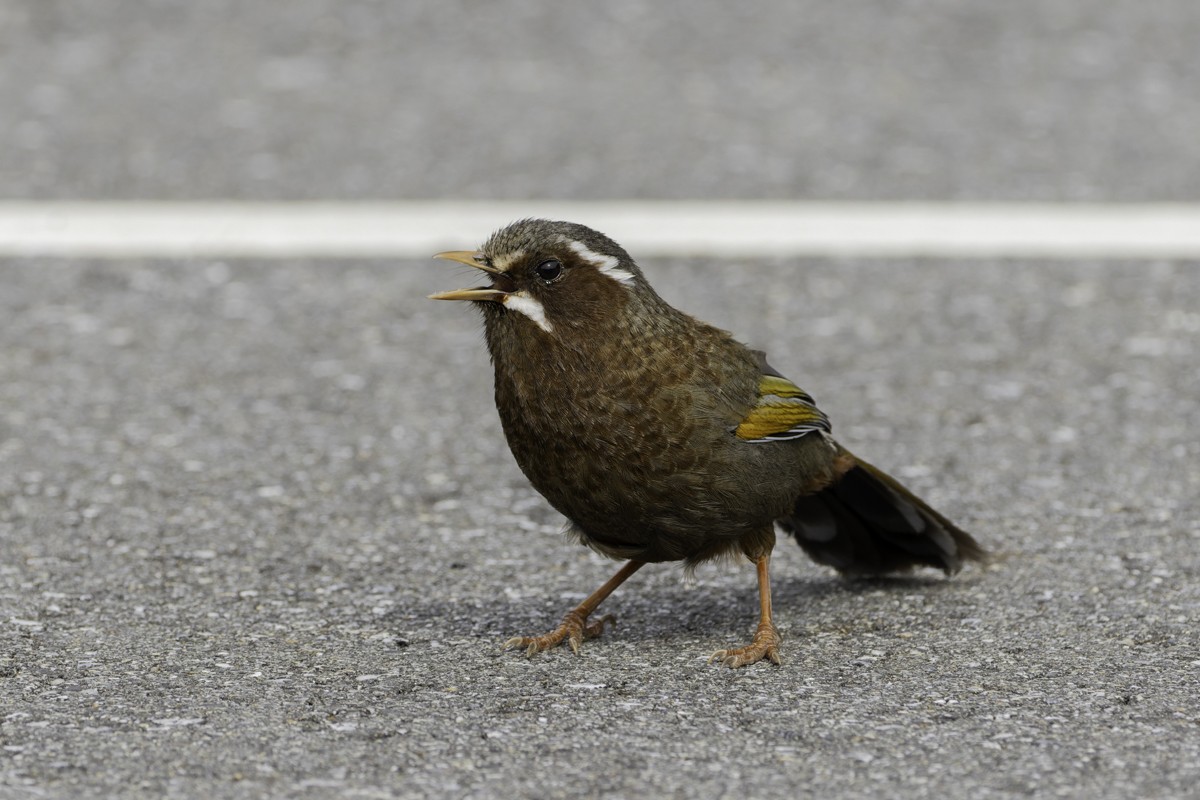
<point>574,627</point>
<point>766,636</point>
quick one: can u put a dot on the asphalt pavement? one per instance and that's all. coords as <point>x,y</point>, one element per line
<point>358,99</point>
<point>263,537</point>
<point>260,534</point>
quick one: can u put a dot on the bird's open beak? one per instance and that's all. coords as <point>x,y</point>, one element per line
<point>492,295</point>
<point>472,259</point>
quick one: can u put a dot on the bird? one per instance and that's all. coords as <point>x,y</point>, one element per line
<point>661,438</point>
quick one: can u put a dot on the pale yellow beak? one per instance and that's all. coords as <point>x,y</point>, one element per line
<point>471,258</point>
<point>477,260</point>
<point>493,295</point>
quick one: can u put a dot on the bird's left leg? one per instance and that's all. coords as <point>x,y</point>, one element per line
<point>766,638</point>
<point>574,627</point>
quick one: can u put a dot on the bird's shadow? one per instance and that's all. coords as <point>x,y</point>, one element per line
<point>662,611</point>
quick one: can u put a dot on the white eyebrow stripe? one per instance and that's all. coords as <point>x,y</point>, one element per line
<point>607,265</point>
<point>522,303</point>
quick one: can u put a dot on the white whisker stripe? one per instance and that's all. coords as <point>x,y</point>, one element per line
<point>522,303</point>
<point>722,229</point>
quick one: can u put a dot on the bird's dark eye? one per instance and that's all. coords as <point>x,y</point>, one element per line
<point>549,270</point>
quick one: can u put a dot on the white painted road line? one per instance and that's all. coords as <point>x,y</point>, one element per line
<point>645,228</point>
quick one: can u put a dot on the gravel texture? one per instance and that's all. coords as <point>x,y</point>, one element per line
<point>262,537</point>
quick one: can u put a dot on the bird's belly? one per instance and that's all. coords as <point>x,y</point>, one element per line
<point>634,488</point>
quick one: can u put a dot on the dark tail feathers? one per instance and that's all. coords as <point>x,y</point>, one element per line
<point>868,524</point>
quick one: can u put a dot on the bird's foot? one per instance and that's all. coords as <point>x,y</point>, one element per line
<point>765,645</point>
<point>574,629</point>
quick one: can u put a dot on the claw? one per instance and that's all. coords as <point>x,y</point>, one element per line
<point>574,629</point>
<point>764,645</point>
<point>597,627</point>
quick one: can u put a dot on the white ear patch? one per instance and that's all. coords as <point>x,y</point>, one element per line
<point>522,303</point>
<point>606,264</point>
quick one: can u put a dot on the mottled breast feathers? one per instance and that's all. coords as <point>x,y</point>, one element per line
<point>783,411</point>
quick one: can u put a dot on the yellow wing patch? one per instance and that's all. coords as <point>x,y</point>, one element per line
<point>784,411</point>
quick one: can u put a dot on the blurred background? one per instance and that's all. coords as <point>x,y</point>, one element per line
<point>356,99</point>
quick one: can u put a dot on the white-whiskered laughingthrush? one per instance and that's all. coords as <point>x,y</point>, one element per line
<point>661,438</point>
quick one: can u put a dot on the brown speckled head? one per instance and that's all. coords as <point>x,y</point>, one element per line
<point>557,276</point>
